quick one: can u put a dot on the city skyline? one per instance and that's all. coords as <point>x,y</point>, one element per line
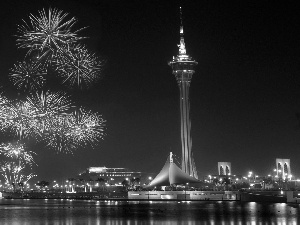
<point>244,96</point>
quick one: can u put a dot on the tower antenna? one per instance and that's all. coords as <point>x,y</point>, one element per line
<point>181,45</point>
<point>181,22</point>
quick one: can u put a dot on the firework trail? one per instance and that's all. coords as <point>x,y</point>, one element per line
<point>14,173</point>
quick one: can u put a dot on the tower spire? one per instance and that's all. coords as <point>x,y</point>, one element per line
<point>182,50</point>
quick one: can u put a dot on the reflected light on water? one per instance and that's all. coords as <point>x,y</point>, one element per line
<point>67,212</point>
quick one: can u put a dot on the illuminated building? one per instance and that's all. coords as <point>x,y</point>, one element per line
<point>183,67</point>
<point>224,168</point>
<point>283,168</point>
<point>113,175</point>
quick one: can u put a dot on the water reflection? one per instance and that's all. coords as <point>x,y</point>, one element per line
<point>70,212</point>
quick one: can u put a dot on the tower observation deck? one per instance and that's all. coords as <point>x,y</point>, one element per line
<point>183,67</point>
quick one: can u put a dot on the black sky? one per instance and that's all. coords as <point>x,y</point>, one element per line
<point>244,95</point>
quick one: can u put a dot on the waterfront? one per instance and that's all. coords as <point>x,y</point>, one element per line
<point>69,212</point>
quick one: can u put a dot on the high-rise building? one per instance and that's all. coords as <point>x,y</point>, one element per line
<point>183,67</point>
<point>283,168</point>
<point>224,168</point>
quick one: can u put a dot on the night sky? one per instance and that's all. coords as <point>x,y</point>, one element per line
<point>244,95</point>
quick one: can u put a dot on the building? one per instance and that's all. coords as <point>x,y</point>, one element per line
<point>183,67</point>
<point>224,168</point>
<point>114,175</point>
<point>283,168</point>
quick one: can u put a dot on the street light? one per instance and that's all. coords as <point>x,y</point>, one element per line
<point>185,191</point>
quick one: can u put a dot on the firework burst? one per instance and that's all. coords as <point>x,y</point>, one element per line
<point>45,104</point>
<point>17,152</point>
<point>15,168</point>
<point>28,76</point>
<point>77,130</point>
<point>14,173</point>
<point>78,67</point>
<point>47,31</point>
<point>3,99</point>
<point>55,135</point>
<point>44,116</point>
<point>86,127</point>
<point>3,107</point>
<point>18,118</point>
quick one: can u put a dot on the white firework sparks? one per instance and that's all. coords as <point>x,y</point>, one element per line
<point>26,119</point>
<point>78,67</point>
<point>48,103</point>
<point>28,76</point>
<point>3,99</point>
<point>3,108</point>
<point>15,168</point>
<point>47,31</point>
<point>78,130</point>
<point>86,127</point>
<point>19,120</point>
<point>14,173</point>
<point>55,135</point>
<point>17,152</point>
<point>46,106</point>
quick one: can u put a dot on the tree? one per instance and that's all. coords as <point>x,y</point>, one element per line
<point>125,184</point>
<point>135,182</point>
<point>101,182</point>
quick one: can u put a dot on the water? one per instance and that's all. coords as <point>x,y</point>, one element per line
<point>90,212</point>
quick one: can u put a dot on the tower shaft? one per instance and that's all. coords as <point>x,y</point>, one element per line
<point>186,142</point>
<point>184,80</point>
